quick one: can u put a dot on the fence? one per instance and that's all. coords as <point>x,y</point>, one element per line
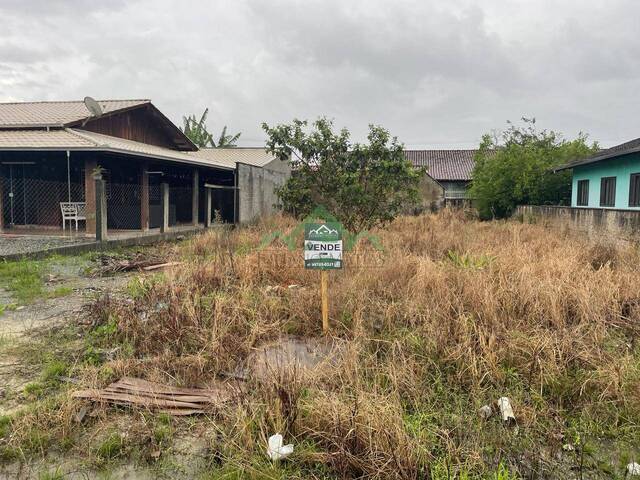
<point>598,224</point>
<point>36,203</point>
<point>33,202</point>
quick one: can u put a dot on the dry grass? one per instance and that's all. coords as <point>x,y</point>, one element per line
<point>459,313</point>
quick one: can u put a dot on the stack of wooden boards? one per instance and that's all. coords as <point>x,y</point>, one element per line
<point>155,396</point>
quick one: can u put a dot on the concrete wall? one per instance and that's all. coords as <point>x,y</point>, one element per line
<point>431,196</point>
<point>256,194</point>
<point>595,223</point>
<point>621,168</point>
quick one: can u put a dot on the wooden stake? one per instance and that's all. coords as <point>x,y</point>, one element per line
<point>324,291</point>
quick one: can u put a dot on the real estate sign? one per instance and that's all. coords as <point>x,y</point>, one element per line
<point>323,245</point>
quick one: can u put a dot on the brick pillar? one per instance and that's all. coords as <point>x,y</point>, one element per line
<point>144,198</point>
<point>90,195</point>
<point>195,193</point>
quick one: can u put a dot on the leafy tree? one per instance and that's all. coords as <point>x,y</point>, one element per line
<point>198,133</point>
<point>362,185</point>
<point>516,167</point>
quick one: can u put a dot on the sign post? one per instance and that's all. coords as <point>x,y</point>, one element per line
<point>323,251</point>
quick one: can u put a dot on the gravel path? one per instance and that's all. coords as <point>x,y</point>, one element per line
<point>15,244</point>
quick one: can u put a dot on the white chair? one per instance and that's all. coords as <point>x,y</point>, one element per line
<point>72,211</point>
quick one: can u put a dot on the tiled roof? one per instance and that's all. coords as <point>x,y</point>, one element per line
<point>74,139</point>
<point>443,165</point>
<point>229,156</point>
<point>632,146</point>
<point>51,114</point>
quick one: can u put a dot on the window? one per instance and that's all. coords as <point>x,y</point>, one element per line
<point>634,190</point>
<point>608,192</point>
<point>583,193</point>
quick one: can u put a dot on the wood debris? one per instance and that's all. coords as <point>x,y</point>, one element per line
<point>155,396</point>
<point>110,264</point>
<point>160,265</point>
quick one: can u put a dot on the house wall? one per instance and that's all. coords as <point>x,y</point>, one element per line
<point>137,124</point>
<point>595,223</point>
<point>431,196</point>
<point>621,168</point>
<point>257,185</point>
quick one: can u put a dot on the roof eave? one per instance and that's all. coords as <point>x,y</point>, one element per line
<point>115,150</point>
<point>596,159</point>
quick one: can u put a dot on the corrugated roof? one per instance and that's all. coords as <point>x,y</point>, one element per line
<point>632,146</point>
<point>42,140</point>
<point>443,165</point>
<point>258,157</point>
<point>51,114</point>
<point>74,139</point>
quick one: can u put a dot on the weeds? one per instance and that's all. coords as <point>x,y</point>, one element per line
<point>429,336</point>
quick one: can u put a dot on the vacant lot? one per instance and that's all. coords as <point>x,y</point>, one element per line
<point>453,315</point>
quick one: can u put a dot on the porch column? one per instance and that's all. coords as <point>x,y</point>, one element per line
<point>144,198</point>
<point>195,193</point>
<point>207,208</point>
<point>1,206</point>
<point>101,210</point>
<point>90,195</point>
<point>164,193</point>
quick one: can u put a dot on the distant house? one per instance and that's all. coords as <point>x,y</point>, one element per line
<point>49,152</point>
<point>610,179</point>
<point>448,175</point>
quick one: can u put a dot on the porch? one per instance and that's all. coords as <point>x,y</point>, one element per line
<point>34,186</point>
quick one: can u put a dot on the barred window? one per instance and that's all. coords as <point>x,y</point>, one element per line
<point>608,192</point>
<point>583,193</point>
<point>634,190</point>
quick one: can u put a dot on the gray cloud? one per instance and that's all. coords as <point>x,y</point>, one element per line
<point>435,73</point>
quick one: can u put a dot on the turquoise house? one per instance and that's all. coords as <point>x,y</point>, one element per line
<point>608,179</point>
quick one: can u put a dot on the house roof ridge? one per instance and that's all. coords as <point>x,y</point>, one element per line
<point>38,102</point>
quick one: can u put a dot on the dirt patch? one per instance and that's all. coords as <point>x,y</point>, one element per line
<point>305,355</point>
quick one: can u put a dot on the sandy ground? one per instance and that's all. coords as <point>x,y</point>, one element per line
<point>17,325</point>
<point>14,244</point>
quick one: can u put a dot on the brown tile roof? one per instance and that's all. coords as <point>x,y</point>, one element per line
<point>443,165</point>
<point>52,114</point>
<point>74,139</point>
<point>229,156</point>
<point>632,146</point>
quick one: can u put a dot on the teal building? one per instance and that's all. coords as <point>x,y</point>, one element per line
<point>608,179</point>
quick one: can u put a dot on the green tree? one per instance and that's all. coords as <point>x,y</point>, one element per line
<point>198,132</point>
<point>362,185</point>
<point>515,167</point>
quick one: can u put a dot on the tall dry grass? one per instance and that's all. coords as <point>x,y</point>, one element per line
<point>458,313</point>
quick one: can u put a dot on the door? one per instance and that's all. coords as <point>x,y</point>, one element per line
<point>15,195</point>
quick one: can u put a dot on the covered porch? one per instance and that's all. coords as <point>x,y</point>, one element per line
<point>50,193</point>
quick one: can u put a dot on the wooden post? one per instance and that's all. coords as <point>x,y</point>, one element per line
<point>90,195</point>
<point>144,198</point>
<point>324,292</point>
<point>207,208</point>
<point>101,210</point>
<point>195,193</point>
<point>164,198</point>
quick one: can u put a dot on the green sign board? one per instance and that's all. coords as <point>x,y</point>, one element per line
<point>323,245</point>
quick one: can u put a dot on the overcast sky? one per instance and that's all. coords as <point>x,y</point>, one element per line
<point>438,74</point>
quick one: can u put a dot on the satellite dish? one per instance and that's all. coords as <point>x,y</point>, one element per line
<point>93,106</point>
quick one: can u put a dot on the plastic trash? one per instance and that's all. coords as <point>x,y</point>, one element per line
<point>485,412</point>
<point>505,410</point>
<point>633,469</point>
<point>276,450</point>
